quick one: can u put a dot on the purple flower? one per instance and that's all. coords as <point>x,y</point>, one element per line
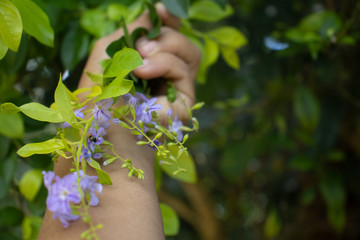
<point>101,110</point>
<point>78,114</point>
<point>156,142</point>
<point>85,154</point>
<point>95,138</point>
<point>89,185</point>
<point>144,110</point>
<point>61,193</point>
<point>176,127</point>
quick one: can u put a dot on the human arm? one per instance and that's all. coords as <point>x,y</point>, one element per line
<point>129,208</point>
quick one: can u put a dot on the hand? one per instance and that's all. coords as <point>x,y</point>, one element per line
<point>171,56</point>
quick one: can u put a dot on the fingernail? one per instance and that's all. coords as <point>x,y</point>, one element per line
<point>147,48</point>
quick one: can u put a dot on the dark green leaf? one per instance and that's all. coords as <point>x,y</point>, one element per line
<point>179,8</point>
<point>10,216</point>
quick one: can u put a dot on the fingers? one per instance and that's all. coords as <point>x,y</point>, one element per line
<point>167,18</point>
<point>172,42</point>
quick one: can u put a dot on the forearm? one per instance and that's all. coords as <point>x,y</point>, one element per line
<point>128,209</point>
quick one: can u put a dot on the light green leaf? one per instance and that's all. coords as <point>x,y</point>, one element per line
<point>184,162</point>
<point>63,103</point>
<point>116,88</point>
<point>30,227</point>
<point>10,25</point>
<point>35,111</point>
<point>306,108</point>
<point>230,56</point>
<point>46,147</point>
<point>95,21</point>
<point>209,11</point>
<point>272,224</point>
<point>228,37</point>
<point>170,220</point>
<point>95,77</point>
<point>30,184</point>
<point>177,7</point>
<point>11,125</point>
<point>3,49</point>
<point>117,11</point>
<point>123,62</point>
<point>210,54</point>
<point>104,177</point>
<point>36,22</point>
<point>72,134</point>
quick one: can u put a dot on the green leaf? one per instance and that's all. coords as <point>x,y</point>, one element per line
<point>333,192</point>
<point>228,37</point>
<point>72,134</point>
<point>306,108</point>
<point>46,147</point>
<point>63,103</point>
<point>210,54</point>
<point>116,88</point>
<point>230,56</point>
<point>30,184</point>
<point>155,22</point>
<point>11,125</point>
<point>35,111</point>
<point>31,227</point>
<point>96,78</point>
<point>123,62</point>
<point>185,162</point>
<point>104,177</point>
<point>10,26</point>
<point>117,11</point>
<point>95,21</point>
<point>36,22</point>
<point>179,8</point>
<point>209,11</point>
<point>10,216</point>
<point>272,224</point>
<point>170,220</point>
<point>74,46</point>
<point>3,49</point>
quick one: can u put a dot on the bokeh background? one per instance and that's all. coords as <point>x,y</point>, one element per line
<point>278,149</point>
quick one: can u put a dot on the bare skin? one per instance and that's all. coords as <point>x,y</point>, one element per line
<point>129,209</point>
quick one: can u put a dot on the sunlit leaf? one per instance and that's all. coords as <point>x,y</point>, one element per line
<point>123,62</point>
<point>170,220</point>
<point>46,147</point>
<point>62,101</point>
<point>30,227</point>
<point>11,125</point>
<point>3,49</point>
<point>35,21</point>
<point>116,88</point>
<point>30,184</point>
<point>209,11</point>
<point>185,162</point>
<point>104,177</point>
<point>34,110</point>
<point>10,26</point>
<point>230,56</point>
<point>228,37</point>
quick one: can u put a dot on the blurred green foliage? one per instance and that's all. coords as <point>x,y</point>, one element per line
<point>279,146</point>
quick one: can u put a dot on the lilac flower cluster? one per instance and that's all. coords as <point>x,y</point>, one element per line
<point>143,106</point>
<point>64,191</point>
